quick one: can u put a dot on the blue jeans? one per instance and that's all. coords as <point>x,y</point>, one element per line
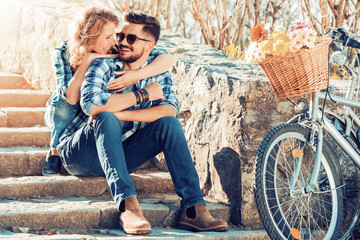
<point>58,115</point>
<point>97,150</point>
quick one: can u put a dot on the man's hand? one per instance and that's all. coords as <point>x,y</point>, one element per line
<point>155,91</point>
<point>91,118</point>
<point>126,79</point>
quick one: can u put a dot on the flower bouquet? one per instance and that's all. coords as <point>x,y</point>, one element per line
<point>293,63</point>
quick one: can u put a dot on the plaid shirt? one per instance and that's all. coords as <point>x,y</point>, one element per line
<point>94,90</point>
<point>63,71</point>
<point>64,75</point>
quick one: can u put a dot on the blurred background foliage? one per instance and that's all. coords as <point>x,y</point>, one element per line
<point>226,24</point>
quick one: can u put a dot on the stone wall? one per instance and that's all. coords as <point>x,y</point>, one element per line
<point>226,106</point>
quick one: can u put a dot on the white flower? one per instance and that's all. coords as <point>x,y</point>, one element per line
<point>296,43</point>
<point>259,55</point>
<point>251,51</point>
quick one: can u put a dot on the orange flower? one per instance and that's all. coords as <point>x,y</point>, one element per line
<point>258,33</point>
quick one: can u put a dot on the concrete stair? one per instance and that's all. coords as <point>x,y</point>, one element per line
<point>13,81</point>
<point>22,117</point>
<point>32,206</point>
<point>113,234</point>
<point>23,98</point>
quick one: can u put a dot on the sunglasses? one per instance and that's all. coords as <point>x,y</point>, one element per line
<point>131,38</point>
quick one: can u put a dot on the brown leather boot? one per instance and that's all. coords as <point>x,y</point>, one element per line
<point>131,218</point>
<point>199,219</point>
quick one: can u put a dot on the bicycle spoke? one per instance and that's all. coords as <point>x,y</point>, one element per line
<point>312,212</point>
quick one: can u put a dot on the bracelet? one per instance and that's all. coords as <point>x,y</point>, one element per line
<point>138,97</point>
<point>144,95</point>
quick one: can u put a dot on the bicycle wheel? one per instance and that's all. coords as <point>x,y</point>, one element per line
<point>307,214</point>
<point>351,179</point>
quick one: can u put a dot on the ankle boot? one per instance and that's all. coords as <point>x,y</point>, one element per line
<point>131,218</point>
<point>198,218</point>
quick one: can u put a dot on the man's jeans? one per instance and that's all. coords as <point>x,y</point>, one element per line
<point>97,150</point>
<point>58,115</point>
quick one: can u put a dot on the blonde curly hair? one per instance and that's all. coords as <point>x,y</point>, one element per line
<point>86,27</point>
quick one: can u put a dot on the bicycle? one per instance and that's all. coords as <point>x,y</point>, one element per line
<point>302,188</point>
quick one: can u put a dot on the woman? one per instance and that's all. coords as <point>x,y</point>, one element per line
<point>91,39</point>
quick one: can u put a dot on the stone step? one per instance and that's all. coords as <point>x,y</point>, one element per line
<point>13,81</point>
<point>23,98</point>
<point>22,117</point>
<point>21,161</point>
<point>24,137</point>
<point>27,161</point>
<point>116,234</point>
<point>15,188</point>
<point>86,213</point>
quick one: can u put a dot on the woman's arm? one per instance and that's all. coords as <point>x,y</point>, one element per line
<point>161,64</point>
<point>73,90</point>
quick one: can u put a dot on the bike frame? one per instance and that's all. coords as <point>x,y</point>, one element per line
<point>322,122</point>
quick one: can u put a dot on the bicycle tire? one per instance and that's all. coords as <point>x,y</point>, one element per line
<point>351,179</point>
<point>350,174</point>
<point>276,206</point>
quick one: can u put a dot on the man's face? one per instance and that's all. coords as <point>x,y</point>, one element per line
<point>130,50</point>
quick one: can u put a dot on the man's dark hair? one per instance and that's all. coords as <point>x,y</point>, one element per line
<point>151,24</point>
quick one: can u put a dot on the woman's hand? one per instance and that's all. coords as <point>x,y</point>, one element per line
<point>126,79</point>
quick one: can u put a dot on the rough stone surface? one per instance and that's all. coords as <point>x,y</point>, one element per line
<point>33,136</point>
<point>23,98</point>
<point>226,106</point>
<point>73,213</point>
<point>21,162</point>
<point>13,81</point>
<point>164,234</point>
<point>14,188</point>
<point>24,117</point>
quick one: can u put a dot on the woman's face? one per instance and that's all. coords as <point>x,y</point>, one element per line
<point>106,40</point>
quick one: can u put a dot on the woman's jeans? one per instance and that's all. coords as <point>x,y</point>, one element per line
<point>58,115</point>
<point>97,150</point>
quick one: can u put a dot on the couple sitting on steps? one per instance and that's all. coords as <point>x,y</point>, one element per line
<point>103,124</point>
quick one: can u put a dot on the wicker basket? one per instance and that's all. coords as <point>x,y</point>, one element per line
<point>297,73</point>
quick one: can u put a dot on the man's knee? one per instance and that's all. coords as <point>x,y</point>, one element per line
<point>107,118</point>
<point>170,123</point>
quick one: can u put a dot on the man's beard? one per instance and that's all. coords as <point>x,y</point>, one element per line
<point>132,58</point>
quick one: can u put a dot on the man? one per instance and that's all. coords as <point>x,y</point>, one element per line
<point>130,128</point>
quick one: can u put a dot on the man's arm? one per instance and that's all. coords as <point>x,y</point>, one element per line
<point>168,106</point>
<point>94,96</point>
<point>150,114</point>
<point>119,102</point>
